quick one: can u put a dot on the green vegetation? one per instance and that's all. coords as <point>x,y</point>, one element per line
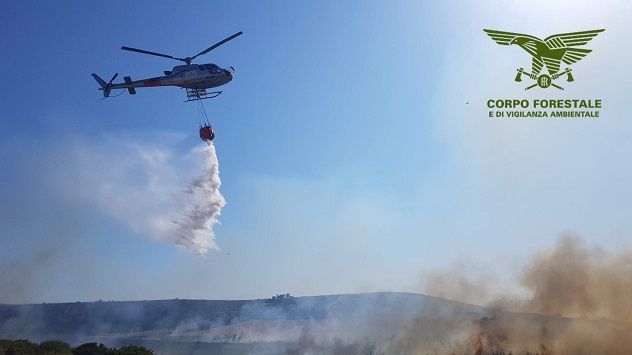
<point>282,297</point>
<point>54,347</point>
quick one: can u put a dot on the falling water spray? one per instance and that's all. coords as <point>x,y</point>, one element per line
<point>201,206</point>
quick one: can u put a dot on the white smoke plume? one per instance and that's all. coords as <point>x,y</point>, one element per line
<point>202,204</point>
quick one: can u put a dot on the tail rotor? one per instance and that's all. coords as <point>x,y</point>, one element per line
<point>111,80</point>
<point>106,87</point>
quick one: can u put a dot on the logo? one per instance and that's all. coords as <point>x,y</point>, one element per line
<point>550,53</point>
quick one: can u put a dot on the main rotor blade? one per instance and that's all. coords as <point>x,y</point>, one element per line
<point>151,53</point>
<point>217,45</point>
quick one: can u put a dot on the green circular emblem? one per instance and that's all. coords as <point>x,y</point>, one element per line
<point>544,81</point>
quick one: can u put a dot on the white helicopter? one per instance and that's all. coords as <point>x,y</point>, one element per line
<point>195,78</point>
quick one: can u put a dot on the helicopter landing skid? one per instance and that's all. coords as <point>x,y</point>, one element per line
<point>200,94</point>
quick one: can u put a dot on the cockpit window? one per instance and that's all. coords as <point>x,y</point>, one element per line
<point>212,68</point>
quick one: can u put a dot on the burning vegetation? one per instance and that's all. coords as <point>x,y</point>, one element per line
<point>579,304</point>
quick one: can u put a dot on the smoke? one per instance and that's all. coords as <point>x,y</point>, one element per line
<point>576,281</point>
<point>202,204</point>
<point>572,280</point>
<point>578,303</point>
<point>18,274</point>
<point>460,282</point>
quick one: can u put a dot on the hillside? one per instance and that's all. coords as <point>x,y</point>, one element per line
<point>352,323</point>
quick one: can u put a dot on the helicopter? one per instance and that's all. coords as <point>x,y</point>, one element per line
<point>195,78</point>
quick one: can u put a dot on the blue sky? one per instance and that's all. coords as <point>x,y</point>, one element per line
<point>348,155</point>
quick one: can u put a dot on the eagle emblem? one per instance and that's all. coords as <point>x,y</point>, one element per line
<point>549,53</point>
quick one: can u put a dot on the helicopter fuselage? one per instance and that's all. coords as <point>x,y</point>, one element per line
<point>195,78</point>
<point>192,76</point>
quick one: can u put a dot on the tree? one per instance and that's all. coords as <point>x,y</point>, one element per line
<point>54,347</point>
<point>91,349</point>
<point>133,350</point>
<point>17,347</point>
